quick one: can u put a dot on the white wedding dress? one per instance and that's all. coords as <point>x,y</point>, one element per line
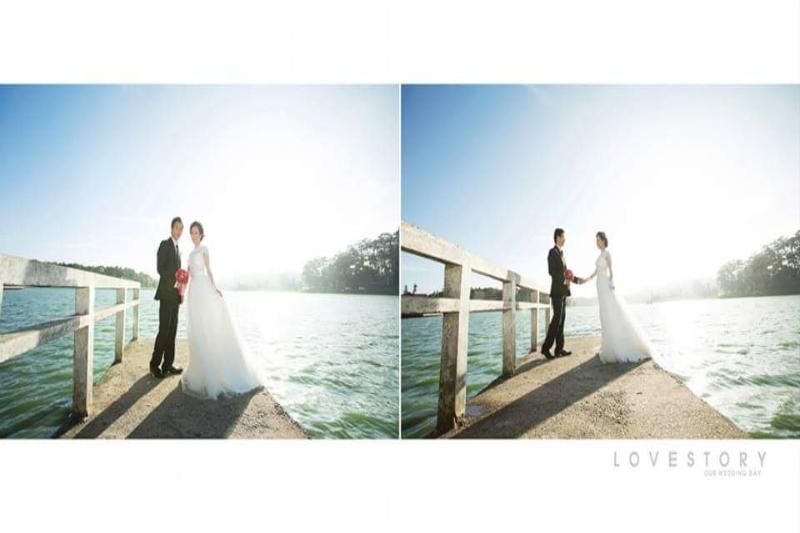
<point>623,341</point>
<point>218,365</point>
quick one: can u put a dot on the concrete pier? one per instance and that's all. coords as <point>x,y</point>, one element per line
<point>579,397</point>
<point>130,403</point>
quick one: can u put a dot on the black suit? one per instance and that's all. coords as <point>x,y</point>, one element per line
<point>557,266</point>
<point>169,261</point>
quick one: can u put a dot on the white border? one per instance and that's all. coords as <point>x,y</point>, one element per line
<point>408,41</point>
<point>391,485</point>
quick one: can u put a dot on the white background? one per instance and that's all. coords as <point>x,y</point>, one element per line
<point>384,485</point>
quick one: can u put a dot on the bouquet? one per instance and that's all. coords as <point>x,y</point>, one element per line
<point>181,279</point>
<point>570,277</point>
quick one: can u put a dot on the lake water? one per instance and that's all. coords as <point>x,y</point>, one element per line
<point>330,360</point>
<point>741,355</point>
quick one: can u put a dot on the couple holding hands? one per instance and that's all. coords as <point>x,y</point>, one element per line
<point>623,341</point>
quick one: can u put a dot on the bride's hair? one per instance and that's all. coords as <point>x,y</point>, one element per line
<point>601,234</point>
<point>199,227</point>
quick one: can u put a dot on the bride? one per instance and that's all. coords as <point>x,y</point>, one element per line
<point>218,364</point>
<point>623,341</point>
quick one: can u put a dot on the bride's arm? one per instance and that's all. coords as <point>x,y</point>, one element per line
<point>590,278</point>
<point>610,271</point>
<point>208,269</point>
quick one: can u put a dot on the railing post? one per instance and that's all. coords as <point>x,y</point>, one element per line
<point>83,356</point>
<point>534,321</point>
<point>1,296</point>
<point>548,313</point>
<point>509,324</point>
<point>455,331</point>
<point>136,311</point>
<point>119,333</point>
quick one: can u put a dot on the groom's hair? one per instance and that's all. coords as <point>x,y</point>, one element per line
<point>176,220</point>
<point>557,233</point>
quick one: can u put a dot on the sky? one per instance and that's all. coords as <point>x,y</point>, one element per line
<point>276,174</point>
<point>681,178</point>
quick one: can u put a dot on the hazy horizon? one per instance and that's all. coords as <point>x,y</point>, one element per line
<point>229,282</point>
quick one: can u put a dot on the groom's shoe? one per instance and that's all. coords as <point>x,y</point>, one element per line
<point>547,354</point>
<point>171,370</point>
<point>156,372</point>
<point>563,353</point>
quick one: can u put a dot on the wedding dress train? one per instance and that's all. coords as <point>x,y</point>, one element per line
<point>218,365</point>
<point>623,341</point>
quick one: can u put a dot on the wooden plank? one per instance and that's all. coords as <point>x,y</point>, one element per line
<point>83,357</point>
<point>32,273</point>
<point>455,331</point>
<point>416,240</point>
<point>479,306</point>
<point>18,342</point>
<point>524,306</point>
<point>419,242</point>
<point>119,330</point>
<point>509,325</point>
<point>106,312</point>
<point>487,268</point>
<point>137,305</point>
<point>425,305</point>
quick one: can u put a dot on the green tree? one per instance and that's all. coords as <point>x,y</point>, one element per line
<point>775,269</point>
<point>116,272</point>
<point>368,266</point>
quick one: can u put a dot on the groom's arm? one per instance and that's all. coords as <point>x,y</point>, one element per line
<point>554,265</point>
<point>162,260</point>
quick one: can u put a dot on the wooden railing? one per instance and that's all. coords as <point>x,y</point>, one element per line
<point>16,271</point>
<point>455,307</point>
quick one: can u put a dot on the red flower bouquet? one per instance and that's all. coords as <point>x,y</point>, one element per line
<point>569,275</point>
<point>181,279</point>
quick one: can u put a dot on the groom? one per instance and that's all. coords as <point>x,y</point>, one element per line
<point>559,290</point>
<point>169,261</point>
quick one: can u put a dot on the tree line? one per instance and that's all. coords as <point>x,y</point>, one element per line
<point>491,293</point>
<point>370,266</point>
<point>116,272</point>
<point>772,271</point>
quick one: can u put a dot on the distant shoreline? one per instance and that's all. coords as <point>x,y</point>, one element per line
<point>301,291</point>
<point>362,293</point>
<point>758,295</point>
<point>593,304</point>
